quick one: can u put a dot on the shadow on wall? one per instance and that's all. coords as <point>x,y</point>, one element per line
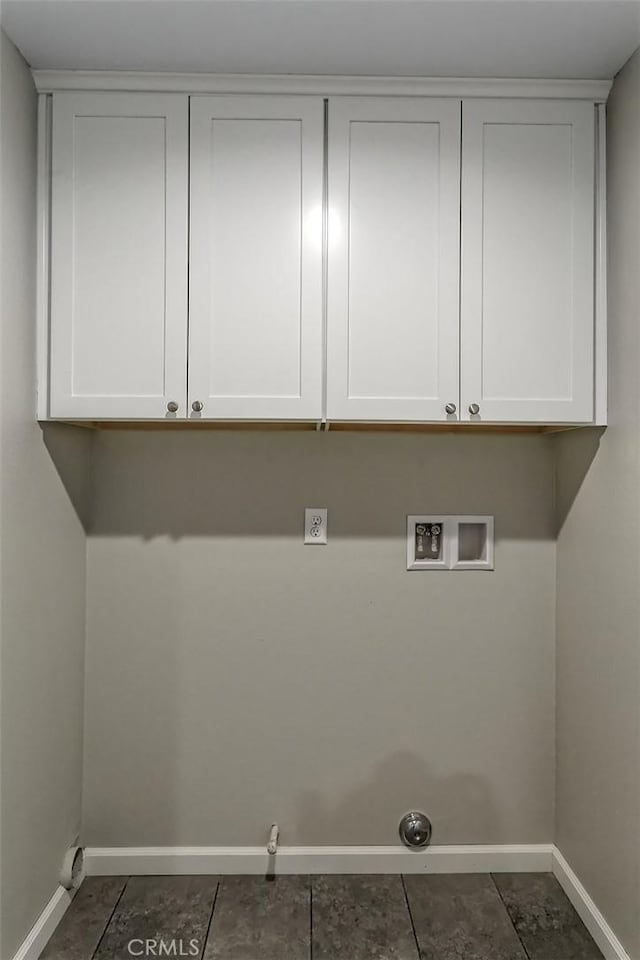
<point>70,450</point>
<point>154,484</point>
<point>150,484</point>
<point>400,783</point>
<point>574,452</point>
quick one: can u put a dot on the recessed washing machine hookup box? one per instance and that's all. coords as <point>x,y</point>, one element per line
<point>427,543</point>
<point>441,542</point>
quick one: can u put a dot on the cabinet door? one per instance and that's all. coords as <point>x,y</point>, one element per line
<point>255,308</point>
<point>527,260</point>
<point>393,259</point>
<point>118,255</point>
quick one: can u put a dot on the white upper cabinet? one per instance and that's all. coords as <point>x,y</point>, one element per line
<point>118,255</point>
<point>393,258</point>
<point>255,311</point>
<point>527,308</point>
<point>350,258</point>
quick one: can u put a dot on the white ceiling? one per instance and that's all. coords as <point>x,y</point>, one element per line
<point>502,38</point>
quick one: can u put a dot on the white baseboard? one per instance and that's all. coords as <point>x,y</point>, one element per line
<point>42,930</point>
<point>116,861</point>
<point>473,858</point>
<point>586,909</point>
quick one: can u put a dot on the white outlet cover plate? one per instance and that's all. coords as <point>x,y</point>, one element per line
<point>315,525</point>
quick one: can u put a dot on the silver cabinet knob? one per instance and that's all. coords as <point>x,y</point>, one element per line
<point>474,409</point>
<point>450,408</point>
<point>197,406</point>
<point>172,406</point>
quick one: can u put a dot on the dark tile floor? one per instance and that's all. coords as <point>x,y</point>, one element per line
<point>505,916</point>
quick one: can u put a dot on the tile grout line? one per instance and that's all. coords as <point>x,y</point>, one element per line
<point>506,910</point>
<point>310,918</point>
<point>208,930</point>
<point>110,918</point>
<point>413,926</point>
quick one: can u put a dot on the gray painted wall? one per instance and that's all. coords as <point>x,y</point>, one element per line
<point>42,562</point>
<point>598,616</point>
<point>235,676</point>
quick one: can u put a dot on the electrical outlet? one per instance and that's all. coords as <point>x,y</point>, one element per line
<point>315,525</point>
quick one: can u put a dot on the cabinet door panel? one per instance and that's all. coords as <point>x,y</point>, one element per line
<point>119,255</point>
<point>527,260</point>
<point>255,335</point>
<point>394,208</point>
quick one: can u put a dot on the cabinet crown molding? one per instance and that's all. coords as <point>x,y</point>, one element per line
<point>50,81</point>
